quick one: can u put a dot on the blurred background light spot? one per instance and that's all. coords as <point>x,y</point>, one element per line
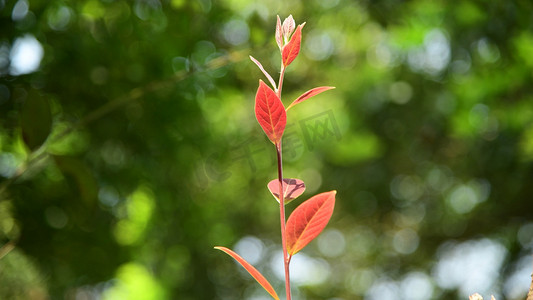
<point>478,115</point>
<point>525,235</point>
<point>108,196</point>
<point>359,280</point>
<point>134,282</point>
<point>304,269</point>
<point>437,51</point>
<point>250,248</point>
<point>58,18</point>
<point>113,153</point>
<point>139,208</point>
<point>312,179</point>
<point>383,289</point>
<point>382,56</point>
<point>8,164</point>
<point>464,197</point>
<point>408,188</point>
<point>99,75</point>
<point>416,286</point>
<point>331,243</point>
<point>400,92</point>
<point>56,217</point>
<point>25,55</point>
<point>433,56</point>
<point>516,285</point>
<point>462,61</point>
<point>319,45</point>
<point>487,51</point>
<point>362,241</point>
<point>93,10</point>
<point>439,178</point>
<point>145,9</point>
<point>236,32</point>
<point>202,51</point>
<point>20,10</point>
<point>469,266</point>
<point>4,58</point>
<point>405,241</point>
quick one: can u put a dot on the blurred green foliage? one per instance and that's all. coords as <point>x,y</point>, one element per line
<point>129,148</point>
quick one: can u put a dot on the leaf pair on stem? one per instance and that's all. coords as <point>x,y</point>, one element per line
<point>309,219</point>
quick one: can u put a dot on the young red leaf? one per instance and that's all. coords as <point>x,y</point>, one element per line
<point>292,48</point>
<point>270,79</point>
<point>253,271</point>
<point>292,188</point>
<point>279,34</point>
<point>308,220</point>
<point>309,94</point>
<point>270,112</point>
<point>288,27</point>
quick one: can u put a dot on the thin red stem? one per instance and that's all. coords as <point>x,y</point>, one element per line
<point>280,84</point>
<point>286,258</point>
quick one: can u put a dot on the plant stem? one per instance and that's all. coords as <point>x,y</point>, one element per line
<point>282,221</point>
<point>280,83</point>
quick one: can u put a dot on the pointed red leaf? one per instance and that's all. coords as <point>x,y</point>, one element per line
<point>308,220</point>
<point>270,79</point>
<point>253,271</point>
<point>292,48</point>
<point>270,112</point>
<point>279,34</point>
<point>292,188</point>
<point>309,94</point>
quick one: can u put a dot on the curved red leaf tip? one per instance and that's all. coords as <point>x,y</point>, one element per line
<point>310,93</point>
<point>308,220</point>
<point>253,271</point>
<point>292,188</point>
<point>291,50</point>
<point>270,112</point>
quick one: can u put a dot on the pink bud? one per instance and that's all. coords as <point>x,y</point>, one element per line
<point>288,27</point>
<point>279,34</point>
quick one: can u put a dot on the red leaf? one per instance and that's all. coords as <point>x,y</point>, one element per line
<point>253,271</point>
<point>291,50</point>
<point>292,188</point>
<point>270,79</point>
<point>270,112</point>
<point>308,220</point>
<point>309,94</point>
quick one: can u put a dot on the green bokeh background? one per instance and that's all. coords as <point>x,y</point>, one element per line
<point>133,149</point>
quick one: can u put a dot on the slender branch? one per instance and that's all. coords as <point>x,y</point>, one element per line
<point>286,258</point>
<point>5,249</point>
<point>111,106</point>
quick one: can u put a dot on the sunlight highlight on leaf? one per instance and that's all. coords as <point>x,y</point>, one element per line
<point>292,188</point>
